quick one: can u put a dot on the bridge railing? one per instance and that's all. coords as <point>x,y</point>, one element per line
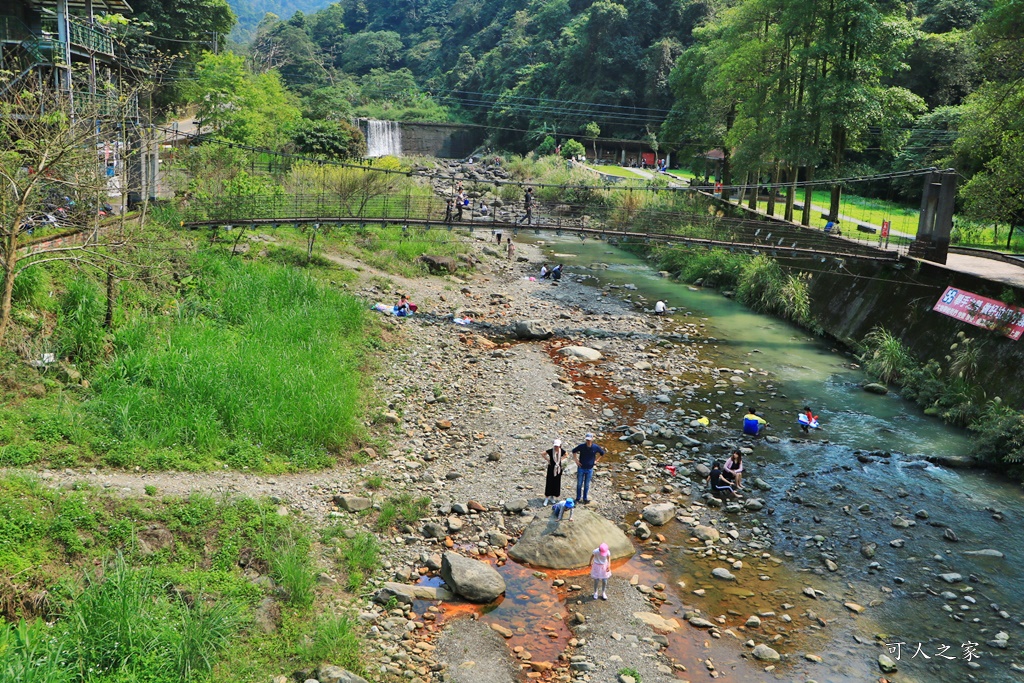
<point>431,211</point>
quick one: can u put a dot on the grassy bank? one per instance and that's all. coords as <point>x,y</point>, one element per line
<point>104,589</point>
<point>254,362</point>
<point>951,390</point>
<point>757,281</point>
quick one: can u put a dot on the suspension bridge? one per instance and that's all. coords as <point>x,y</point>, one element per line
<point>416,215</point>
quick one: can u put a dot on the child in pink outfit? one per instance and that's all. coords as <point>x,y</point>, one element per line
<point>601,570</point>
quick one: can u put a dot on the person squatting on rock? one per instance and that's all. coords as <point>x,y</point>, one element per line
<point>561,507</point>
<point>601,570</point>
<point>753,423</point>
<point>555,457</point>
<point>586,456</point>
<point>719,486</point>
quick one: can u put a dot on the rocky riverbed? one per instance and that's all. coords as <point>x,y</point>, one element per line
<point>782,585</point>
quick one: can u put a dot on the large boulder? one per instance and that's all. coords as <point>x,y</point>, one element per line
<point>548,543</point>
<point>439,264</point>
<point>474,580</point>
<point>531,330</point>
<point>659,514</point>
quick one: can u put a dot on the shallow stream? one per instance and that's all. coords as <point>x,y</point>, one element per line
<point>820,488</point>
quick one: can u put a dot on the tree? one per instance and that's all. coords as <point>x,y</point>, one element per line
<point>592,131</point>
<point>991,141</point>
<point>371,50</point>
<point>572,148</point>
<point>50,167</point>
<point>547,146</point>
<point>330,139</point>
<point>253,109</point>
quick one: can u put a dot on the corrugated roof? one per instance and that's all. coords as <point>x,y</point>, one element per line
<point>97,5</point>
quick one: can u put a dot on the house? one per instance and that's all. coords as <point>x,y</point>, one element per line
<point>61,43</point>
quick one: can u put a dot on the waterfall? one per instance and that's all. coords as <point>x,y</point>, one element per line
<point>383,138</point>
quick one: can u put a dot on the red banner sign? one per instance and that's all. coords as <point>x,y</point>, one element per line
<point>981,311</point>
<point>885,229</point>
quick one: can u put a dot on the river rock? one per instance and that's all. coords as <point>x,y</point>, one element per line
<point>531,330</point>
<point>951,577</point>
<point>753,621</point>
<point>335,674</point>
<point>706,533</point>
<point>657,622</point>
<point>900,523</point>
<point>723,573</point>
<point>754,504</point>
<point>581,352</point>
<point>701,622</point>
<point>548,543</point>
<point>474,580</point>
<point>868,550</point>
<point>516,506</point>
<point>439,264</point>
<point>763,653</point>
<point>352,503</point>
<point>987,552</point>
<point>406,593</point>
<point>886,664</point>
<point>876,388</point>
<point>659,514</point>
<point>950,535</point>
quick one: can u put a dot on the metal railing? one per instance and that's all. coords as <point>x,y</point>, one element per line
<point>13,29</point>
<point>100,105</point>
<point>89,37</point>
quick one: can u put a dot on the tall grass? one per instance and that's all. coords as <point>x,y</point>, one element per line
<point>80,320</point>
<point>124,626</point>
<point>397,251</point>
<point>361,556</point>
<point>257,353</point>
<point>335,639</point>
<point>765,287</point>
<point>31,652</point>
<point>291,566</point>
<point>886,356</point>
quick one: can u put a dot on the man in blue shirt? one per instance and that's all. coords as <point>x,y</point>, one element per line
<point>586,456</point>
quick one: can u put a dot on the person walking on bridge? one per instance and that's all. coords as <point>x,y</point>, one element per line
<point>528,201</point>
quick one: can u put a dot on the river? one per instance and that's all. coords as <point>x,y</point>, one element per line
<point>826,502</point>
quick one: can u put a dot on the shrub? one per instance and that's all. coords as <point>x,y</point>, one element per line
<point>402,508</point>
<point>1000,435</point>
<point>547,146</point>
<point>572,148</point>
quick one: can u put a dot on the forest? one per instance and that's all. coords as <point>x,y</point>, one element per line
<point>787,90</point>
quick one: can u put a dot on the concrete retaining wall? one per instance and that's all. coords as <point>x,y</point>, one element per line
<point>848,301</point>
